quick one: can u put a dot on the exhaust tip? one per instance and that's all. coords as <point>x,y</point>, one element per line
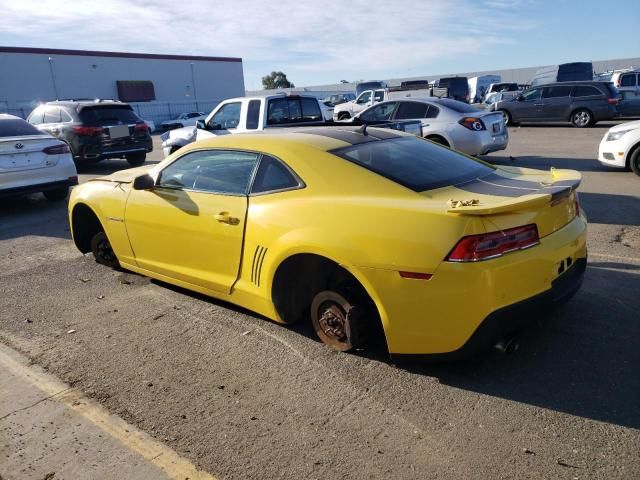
<point>507,346</point>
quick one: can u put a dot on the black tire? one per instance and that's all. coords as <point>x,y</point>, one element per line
<point>634,161</point>
<point>102,251</point>
<point>56,194</point>
<point>344,116</point>
<point>582,118</point>
<point>439,140</point>
<point>136,159</point>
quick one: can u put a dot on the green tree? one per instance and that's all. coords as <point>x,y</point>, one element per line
<point>276,80</point>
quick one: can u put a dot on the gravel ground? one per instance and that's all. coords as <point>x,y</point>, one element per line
<point>245,398</point>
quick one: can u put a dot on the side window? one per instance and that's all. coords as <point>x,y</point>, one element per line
<point>557,91</point>
<point>253,114</point>
<point>215,171</point>
<point>272,175</point>
<point>532,95</point>
<point>409,110</point>
<point>65,117</point>
<point>586,91</point>
<point>51,115</point>
<point>628,80</point>
<point>35,118</point>
<point>432,112</point>
<point>227,117</point>
<point>379,112</point>
<point>364,98</point>
<point>310,110</point>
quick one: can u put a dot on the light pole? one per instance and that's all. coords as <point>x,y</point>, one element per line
<point>53,78</point>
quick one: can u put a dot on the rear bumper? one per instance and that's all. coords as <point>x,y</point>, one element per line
<point>481,143</point>
<point>508,320</point>
<point>39,187</point>
<point>88,151</point>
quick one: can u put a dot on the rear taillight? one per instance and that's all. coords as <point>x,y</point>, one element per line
<point>87,131</point>
<point>56,149</point>
<point>613,101</point>
<point>141,127</point>
<point>472,123</point>
<point>495,244</point>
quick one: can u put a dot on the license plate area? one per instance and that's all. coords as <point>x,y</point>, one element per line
<point>119,131</point>
<point>496,127</point>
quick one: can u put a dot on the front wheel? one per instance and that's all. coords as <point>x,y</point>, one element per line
<point>102,251</point>
<point>582,118</point>
<point>506,116</point>
<point>56,194</point>
<point>136,159</point>
<point>634,162</point>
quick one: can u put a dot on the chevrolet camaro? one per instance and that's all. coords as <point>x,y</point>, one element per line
<point>373,234</point>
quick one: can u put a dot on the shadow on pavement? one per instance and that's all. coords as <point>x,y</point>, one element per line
<point>611,209</point>
<point>582,360</point>
<point>33,215</point>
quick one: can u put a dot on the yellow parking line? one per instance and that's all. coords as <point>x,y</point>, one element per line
<point>135,440</point>
<point>617,257</point>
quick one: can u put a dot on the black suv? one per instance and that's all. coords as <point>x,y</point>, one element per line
<point>95,129</point>
<point>581,103</point>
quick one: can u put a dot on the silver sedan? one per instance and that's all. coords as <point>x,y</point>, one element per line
<point>449,122</point>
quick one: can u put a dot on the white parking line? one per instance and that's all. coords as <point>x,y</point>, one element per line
<point>617,257</point>
<point>131,438</point>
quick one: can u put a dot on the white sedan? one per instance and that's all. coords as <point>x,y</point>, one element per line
<point>620,147</point>
<point>451,123</point>
<point>31,161</point>
<point>187,119</point>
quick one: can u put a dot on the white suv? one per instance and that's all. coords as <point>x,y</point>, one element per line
<point>32,161</point>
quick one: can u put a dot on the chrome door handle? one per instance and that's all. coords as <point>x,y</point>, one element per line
<point>224,217</point>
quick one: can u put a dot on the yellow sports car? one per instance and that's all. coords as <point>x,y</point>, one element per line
<point>367,231</point>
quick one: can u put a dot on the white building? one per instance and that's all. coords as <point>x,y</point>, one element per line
<point>160,86</point>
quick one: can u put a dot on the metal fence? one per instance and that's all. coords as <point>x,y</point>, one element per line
<point>157,112</point>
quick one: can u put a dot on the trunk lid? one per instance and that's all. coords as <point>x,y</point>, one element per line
<point>493,122</point>
<point>25,153</point>
<point>511,197</point>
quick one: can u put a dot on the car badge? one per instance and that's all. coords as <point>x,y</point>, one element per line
<point>19,146</point>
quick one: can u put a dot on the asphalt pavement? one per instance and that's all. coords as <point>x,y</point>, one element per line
<point>244,398</point>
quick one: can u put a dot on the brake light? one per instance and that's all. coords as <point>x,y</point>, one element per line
<point>613,101</point>
<point>472,123</point>
<point>141,127</point>
<point>87,131</point>
<point>56,149</point>
<point>495,244</point>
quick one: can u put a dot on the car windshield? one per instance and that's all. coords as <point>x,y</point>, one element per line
<point>16,127</point>
<point>414,163</point>
<point>108,115</point>
<point>456,106</point>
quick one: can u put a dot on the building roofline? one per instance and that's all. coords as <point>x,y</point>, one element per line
<point>92,53</point>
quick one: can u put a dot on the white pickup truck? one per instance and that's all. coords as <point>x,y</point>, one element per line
<point>348,110</point>
<point>248,114</point>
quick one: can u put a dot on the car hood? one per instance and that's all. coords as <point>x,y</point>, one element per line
<point>179,136</point>
<point>124,176</point>
<point>625,126</point>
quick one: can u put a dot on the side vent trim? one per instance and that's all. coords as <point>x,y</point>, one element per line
<point>256,267</point>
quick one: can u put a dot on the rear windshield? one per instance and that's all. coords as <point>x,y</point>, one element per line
<point>456,106</point>
<point>16,127</point>
<point>108,115</point>
<point>414,163</point>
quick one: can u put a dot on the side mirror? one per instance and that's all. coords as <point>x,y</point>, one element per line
<point>201,125</point>
<point>144,182</point>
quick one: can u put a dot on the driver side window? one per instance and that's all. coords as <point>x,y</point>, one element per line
<point>214,171</point>
<point>379,112</point>
<point>532,95</point>
<point>364,98</point>
<point>227,117</point>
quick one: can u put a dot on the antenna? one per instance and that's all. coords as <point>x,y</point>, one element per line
<point>363,130</point>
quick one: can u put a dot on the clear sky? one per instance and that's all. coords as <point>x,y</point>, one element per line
<point>321,42</point>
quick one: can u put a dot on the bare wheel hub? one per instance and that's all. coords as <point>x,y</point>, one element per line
<point>330,315</point>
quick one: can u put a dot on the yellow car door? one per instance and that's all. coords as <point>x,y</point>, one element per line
<point>190,224</point>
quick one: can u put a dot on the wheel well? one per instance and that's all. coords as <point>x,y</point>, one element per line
<point>84,224</point>
<point>438,139</point>
<point>344,114</point>
<point>630,154</point>
<point>301,277</point>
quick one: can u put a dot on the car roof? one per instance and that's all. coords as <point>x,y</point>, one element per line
<point>322,138</point>
<point>573,82</point>
<point>82,103</point>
